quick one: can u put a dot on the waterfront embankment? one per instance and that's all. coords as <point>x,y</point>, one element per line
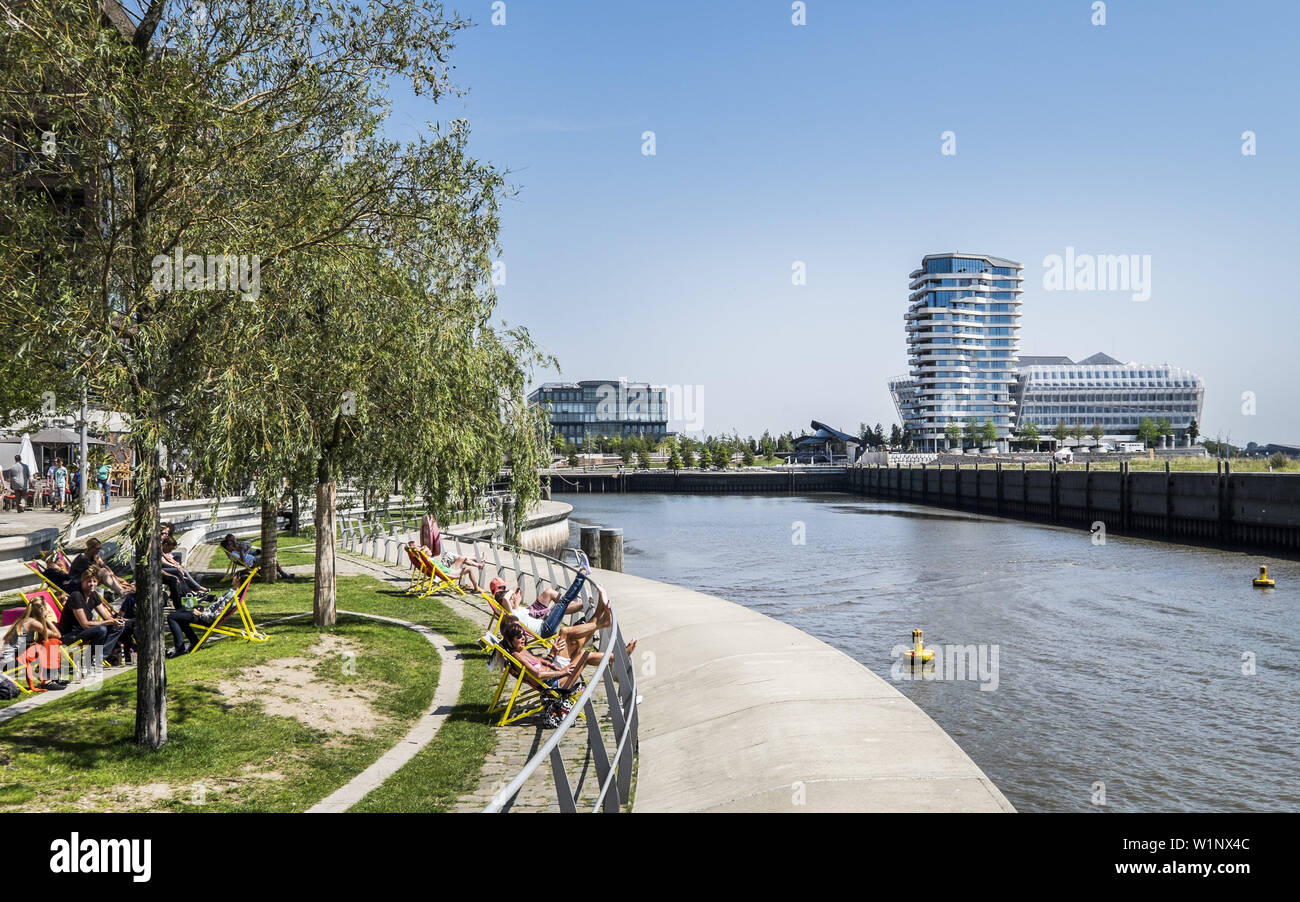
<point>741,712</point>
<point>1243,511</point>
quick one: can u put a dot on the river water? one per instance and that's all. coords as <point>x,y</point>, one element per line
<point>1119,670</point>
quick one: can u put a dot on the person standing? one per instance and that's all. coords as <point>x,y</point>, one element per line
<point>19,479</point>
<point>60,485</point>
<point>105,471</point>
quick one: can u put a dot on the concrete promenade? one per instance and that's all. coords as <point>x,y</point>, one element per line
<point>741,712</point>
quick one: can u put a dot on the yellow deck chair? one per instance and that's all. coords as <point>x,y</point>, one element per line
<point>420,572</point>
<point>530,694</point>
<point>47,596</point>
<point>247,629</point>
<point>436,577</point>
<point>499,613</point>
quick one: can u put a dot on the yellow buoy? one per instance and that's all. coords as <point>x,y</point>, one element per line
<point>1263,581</point>
<point>918,654</point>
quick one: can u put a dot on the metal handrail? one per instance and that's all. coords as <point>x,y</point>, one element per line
<point>614,773</point>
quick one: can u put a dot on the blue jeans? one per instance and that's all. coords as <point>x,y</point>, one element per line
<point>555,616</point>
<point>96,635</point>
<point>103,487</point>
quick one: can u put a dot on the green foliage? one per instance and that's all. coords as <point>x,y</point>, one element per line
<point>1148,431</point>
<point>643,459</point>
<point>1029,433</point>
<point>1096,432</point>
<point>989,433</point>
<point>952,432</point>
<point>1279,461</point>
<point>747,455</point>
<point>1060,432</point>
<point>1193,430</point>
<point>688,455</point>
<point>674,459</point>
<point>573,458</point>
<point>721,456</point>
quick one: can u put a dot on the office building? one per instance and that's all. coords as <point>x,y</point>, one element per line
<point>581,412</point>
<point>1101,389</point>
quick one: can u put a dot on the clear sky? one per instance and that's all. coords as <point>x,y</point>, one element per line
<point>823,143</point>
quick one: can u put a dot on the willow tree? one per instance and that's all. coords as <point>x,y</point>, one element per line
<point>193,135</point>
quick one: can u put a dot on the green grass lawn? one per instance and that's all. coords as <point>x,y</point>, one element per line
<point>232,754</point>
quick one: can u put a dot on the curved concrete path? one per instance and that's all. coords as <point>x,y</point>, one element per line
<point>450,676</point>
<point>741,712</point>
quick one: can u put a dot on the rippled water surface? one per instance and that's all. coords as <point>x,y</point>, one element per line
<point>1120,663</point>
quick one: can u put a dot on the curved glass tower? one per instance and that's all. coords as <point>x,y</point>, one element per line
<point>963,335</point>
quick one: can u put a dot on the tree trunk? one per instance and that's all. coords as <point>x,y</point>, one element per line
<point>151,673</point>
<point>295,518</point>
<point>323,606</point>
<point>270,539</point>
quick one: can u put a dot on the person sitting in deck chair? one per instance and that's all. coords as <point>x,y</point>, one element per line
<point>545,615</point>
<point>459,569</point>
<point>37,625</point>
<point>171,566</point>
<point>78,621</point>
<point>246,555</point>
<point>562,668</point>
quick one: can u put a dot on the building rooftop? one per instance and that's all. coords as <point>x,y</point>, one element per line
<point>996,261</point>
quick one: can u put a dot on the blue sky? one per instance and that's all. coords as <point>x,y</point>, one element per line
<point>822,144</point>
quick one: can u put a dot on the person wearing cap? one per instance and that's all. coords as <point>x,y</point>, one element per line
<point>545,615</point>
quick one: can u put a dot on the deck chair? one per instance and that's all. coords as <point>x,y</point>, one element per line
<point>237,605</point>
<point>233,566</point>
<point>56,606</point>
<point>499,613</point>
<point>530,694</point>
<point>434,576</point>
<point>50,586</point>
<point>419,576</point>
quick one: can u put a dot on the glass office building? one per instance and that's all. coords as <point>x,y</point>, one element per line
<point>583,411</point>
<point>962,325</point>
<point>1101,389</point>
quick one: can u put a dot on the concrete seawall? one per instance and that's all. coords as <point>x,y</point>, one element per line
<point>1246,511</point>
<point>741,712</point>
<point>1242,510</point>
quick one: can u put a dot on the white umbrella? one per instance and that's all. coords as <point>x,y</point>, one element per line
<point>29,456</point>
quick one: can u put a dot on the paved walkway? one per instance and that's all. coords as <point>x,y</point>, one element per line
<point>517,742</point>
<point>13,523</point>
<point>741,712</point>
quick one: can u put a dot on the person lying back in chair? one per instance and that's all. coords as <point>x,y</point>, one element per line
<point>459,569</point>
<point>545,615</point>
<point>247,555</point>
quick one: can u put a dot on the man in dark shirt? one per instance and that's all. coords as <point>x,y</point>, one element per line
<point>83,561</point>
<point>78,620</point>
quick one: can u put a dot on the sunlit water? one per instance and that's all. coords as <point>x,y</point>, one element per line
<point>1119,663</point>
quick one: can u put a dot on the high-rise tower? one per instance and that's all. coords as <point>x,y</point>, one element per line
<point>963,338</point>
